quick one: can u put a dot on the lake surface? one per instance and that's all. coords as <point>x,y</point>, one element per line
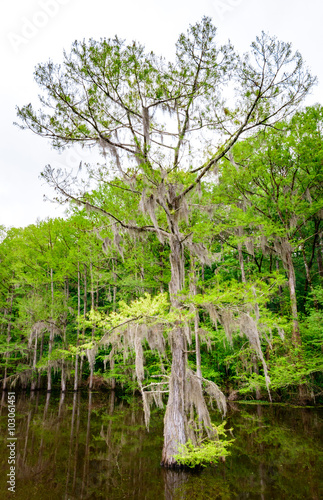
<point>95,446</point>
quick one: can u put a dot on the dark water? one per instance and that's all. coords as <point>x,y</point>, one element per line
<point>95,446</point>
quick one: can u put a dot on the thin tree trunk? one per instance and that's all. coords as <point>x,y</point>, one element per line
<point>196,324</point>
<point>114,286</point>
<point>93,327</point>
<point>112,380</point>
<point>84,316</point>
<point>4,386</point>
<point>78,327</point>
<point>63,372</point>
<point>40,355</point>
<point>92,287</point>
<point>256,370</point>
<point>240,255</point>
<point>296,338</point>
<point>34,381</point>
<point>49,369</point>
<point>97,294</point>
<point>280,289</point>
<point>309,278</point>
<point>161,264</point>
<point>81,370</point>
<point>319,247</point>
<point>63,378</point>
<point>85,295</point>
<point>198,347</point>
<point>241,262</point>
<point>51,334</point>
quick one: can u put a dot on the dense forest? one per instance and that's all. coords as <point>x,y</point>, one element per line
<point>191,268</point>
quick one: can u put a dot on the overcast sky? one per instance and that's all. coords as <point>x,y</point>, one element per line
<point>35,30</point>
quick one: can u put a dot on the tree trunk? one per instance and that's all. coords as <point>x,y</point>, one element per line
<point>256,370</point>
<point>34,381</point>
<point>241,262</point>
<point>85,295</point>
<point>97,294</point>
<point>114,287</point>
<point>196,324</point>
<point>175,421</point>
<point>49,369</point>
<point>198,347</point>
<point>93,327</point>
<point>112,380</point>
<point>81,370</point>
<point>78,327</point>
<point>40,355</point>
<point>63,372</point>
<point>51,334</point>
<point>296,338</point>
<point>308,279</point>
<point>63,378</point>
<point>4,386</point>
<point>240,255</point>
<point>92,288</point>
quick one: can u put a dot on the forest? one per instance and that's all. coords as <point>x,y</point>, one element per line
<point>189,266</point>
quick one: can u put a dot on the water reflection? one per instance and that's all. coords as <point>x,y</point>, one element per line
<point>95,446</point>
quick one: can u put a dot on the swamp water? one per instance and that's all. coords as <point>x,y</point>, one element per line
<point>95,446</point>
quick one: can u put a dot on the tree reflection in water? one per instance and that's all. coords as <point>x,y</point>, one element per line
<point>95,446</point>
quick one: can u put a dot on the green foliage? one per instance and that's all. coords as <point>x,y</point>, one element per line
<point>208,451</point>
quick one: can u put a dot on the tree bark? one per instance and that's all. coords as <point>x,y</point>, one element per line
<point>241,262</point>
<point>93,327</point>
<point>196,324</point>
<point>198,347</point>
<point>40,355</point>
<point>296,338</point>
<point>51,334</point>
<point>34,381</point>
<point>114,287</point>
<point>175,421</point>
<point>308,279</point>
<point>63,372</point>
<point>85,295</point>
<point>240,255</point>
<point>4,386</point>
<point>78,328</point>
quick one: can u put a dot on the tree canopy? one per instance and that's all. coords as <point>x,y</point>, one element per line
<point>200,160</point>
